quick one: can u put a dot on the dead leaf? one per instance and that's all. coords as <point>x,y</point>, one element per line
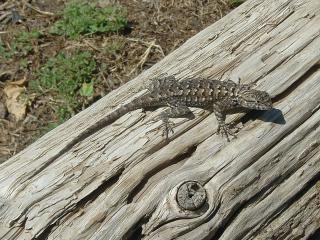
<point>20,82</point>
<point>14,104</point>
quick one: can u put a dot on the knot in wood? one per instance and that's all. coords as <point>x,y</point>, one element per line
<point>191,195</point>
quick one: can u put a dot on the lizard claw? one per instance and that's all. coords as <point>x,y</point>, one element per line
<point>167,127</point>
<point>225,130</point>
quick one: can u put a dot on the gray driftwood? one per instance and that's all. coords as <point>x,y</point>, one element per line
<point>121,182</point>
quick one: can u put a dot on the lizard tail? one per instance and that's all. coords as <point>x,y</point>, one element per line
<point>103,122</point>
<point>114,115</point>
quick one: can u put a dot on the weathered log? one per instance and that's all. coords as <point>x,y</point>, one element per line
<point>126,182</point>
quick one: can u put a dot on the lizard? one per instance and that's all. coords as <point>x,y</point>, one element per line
<point>219,97</point>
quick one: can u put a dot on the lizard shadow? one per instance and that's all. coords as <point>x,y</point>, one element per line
<point>274,115</point>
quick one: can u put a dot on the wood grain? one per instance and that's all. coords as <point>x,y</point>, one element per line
<point>121,182</point>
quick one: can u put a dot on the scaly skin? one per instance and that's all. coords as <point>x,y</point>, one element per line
<point>219,97</point>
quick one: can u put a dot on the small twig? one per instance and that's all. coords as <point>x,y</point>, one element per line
<point>148,44</point>
<point>139,40</point>
<point>14,134</point>
<point>4,150</point>
<point>6,5</point>
<point>91,45</point>
<point>5,72</point>
<point>160,50</point>
<point>224,3</point>
<point>144,58</point>
<point>37,9</point>
<point>4,121</point>
<point>72,45</point>
<point>45,45</point>
<point>4,16</point>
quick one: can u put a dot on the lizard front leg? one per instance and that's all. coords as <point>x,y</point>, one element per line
<point>219,110</point>
<point>174,112</point>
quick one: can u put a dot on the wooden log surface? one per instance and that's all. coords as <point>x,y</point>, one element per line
<point>122,182</point>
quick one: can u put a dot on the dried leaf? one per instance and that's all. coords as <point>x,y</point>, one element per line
<point>20,82</point>
<point>14,104</point>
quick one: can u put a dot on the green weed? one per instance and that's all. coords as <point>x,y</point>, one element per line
<point>23,41</point>
<point>236,3</point>
<point>23,63</point>
<point>79,18</point>
<point>69,77</point>
<point>50,126</point>
<point>63,114</point>
<point>114,47</point>
<point>21,44</point>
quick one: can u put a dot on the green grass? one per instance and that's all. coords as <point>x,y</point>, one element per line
<point>21,45</point>
<point>236,3</point>
<point>114,48</point>
<point>81,18</point>
<point>68,77</point>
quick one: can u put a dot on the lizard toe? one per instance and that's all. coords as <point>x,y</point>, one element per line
<point>167,128</point>
<point>225,131</point>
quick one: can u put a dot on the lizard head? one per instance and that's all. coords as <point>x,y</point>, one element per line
<point>254,99</point>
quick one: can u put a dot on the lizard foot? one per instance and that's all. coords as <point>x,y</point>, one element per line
<point>167,126</point>
<point>225,130</point>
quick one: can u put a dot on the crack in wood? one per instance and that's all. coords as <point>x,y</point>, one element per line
<point>313,69</point>
<point>147,176</point>
<point>135,232</point>
<point>315,235</point>
<point>81,204</point>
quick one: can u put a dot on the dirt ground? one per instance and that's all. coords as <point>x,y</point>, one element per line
<point>155,28</point>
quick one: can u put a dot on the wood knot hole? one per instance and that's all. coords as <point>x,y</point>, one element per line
<point>191,196</point>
